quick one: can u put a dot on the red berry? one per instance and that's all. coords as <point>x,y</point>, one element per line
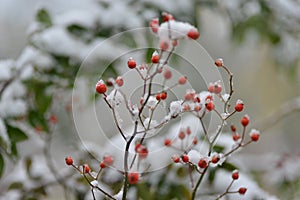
<point>186,107</point>
<point>254,137</point>
<point>168,142</point>
<point>86,168</point>
<point>185,158</point>
<point>137,147</point>
<point>235,175</point>
<point>245,120</point>
<point>195,141</point>
<point>215,159</point>
<point>119,81</point>
<point>157,97</point>
<point>167,74</point>
<point>254,134</point>
<point>236,137</point>
<point>133,177</point>
<point>101,87</point>
<point>108,160</point>
<point>182,80</point>
<point>219,62</point>
<point>176,159</point>
<point>203,163</point>
<point>210,106</point>
<point>163,95</point>
<point>102,165</point>
<point>69,160</point>
<point>233,128</point>
<point>242,190</point>
<point>155,57</point>
<point>167,17</point>
<point>131,63</point>
<point>239,106</point>
<point>193,34</point>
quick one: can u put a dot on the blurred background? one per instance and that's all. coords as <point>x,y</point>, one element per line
<point>259,41</point>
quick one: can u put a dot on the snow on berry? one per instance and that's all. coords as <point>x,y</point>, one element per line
<point>167,74</point>
<point>235,175</point>
<point>239,106</point>
<point>119,81</point>
<point>155,57</point>
<point>193,34</point>
<point>219,62</point>
<point>254,134</point>
<point>175,108</point>
<point>101,87</point>
<point>245,120</point>
<point>131,63</point>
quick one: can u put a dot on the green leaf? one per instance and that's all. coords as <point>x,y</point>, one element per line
<point>43,17</point>
<point>15,134</point>
<point>144,192</point>
<point>15,186</point>
<point>37,119</point>
<point>77,30</point>
<point>1,165</point>
<point>211,175</point>
<point>218,148</point>
<point>228,166</point>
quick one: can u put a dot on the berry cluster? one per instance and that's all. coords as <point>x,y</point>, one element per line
<point>199,104</point>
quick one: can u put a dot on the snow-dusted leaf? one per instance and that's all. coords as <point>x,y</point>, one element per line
<point>43,17</point>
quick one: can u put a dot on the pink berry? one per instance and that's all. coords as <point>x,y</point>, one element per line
<point>167,74</point>
<point>69,160</point>
<point>154,25</point>
<point>119,81</point>
<point>164,45</point>
<point>181,135</point>
<point>219,62</point>
<point>131,63</point>
<point>193,34</point>
<point>143,152</point>
<point>133,177</point>
<point>218,88</point>
<point>185,158</point>
<point>245,120</point>
<point>108,160</point>
<point>101,87</point>
<point>182,80</point>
